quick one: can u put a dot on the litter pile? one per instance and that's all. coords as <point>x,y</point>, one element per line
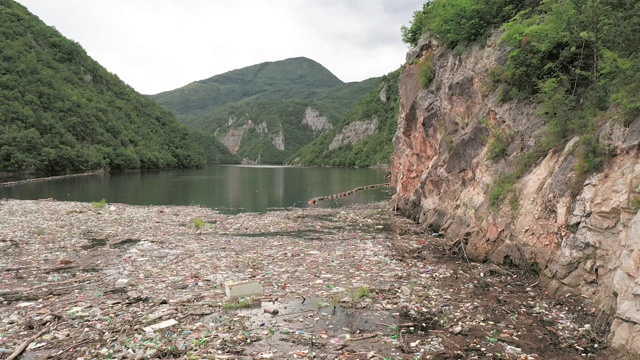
<point>113,281</point>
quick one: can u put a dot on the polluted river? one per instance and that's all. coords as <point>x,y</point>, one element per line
<point>115,281</point>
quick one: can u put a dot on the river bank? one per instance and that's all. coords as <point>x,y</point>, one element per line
<point>119,281</point>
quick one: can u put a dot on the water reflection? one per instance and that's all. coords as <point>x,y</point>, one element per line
<point>234,188</point>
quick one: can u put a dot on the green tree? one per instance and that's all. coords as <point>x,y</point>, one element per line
<point>62,111</point>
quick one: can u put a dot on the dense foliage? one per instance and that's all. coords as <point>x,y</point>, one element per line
<point>274,93</point>
<point>214,151</point>
<point>461,21</point>
<point>578,59</point>
<point>291,78</point>
<point>580,55</point>
<point>371,151</point>
<point>62,111</point>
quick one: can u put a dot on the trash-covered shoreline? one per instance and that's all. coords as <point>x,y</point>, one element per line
<point>114,281</point>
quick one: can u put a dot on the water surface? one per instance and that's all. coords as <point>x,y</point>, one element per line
<point>233,188</point>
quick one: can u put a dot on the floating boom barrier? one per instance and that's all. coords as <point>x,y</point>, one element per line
<point>347,193</point>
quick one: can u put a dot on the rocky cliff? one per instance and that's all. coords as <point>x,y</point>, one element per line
<point>581,236</point>
<point>354,132</point>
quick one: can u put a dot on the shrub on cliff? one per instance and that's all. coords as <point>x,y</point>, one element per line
<point>427,73</point>
<point>457,22</point>
<point>578,58</point>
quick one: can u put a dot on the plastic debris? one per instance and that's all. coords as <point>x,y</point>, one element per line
<point>160,325</point>
<point>348,283</point>
<point>242,289</point>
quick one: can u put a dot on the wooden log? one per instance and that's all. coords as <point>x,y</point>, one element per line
<point>363,337</point>
<point>26,343</point>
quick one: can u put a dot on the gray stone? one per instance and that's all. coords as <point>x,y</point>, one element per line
<point>383,94</point>
<point>317,122</point>
<point>632,136</point>
<point>278,139</point>
<point>122,283</point>
<point>354,132</point>
<point>425,43</point>
<point>629,311</point>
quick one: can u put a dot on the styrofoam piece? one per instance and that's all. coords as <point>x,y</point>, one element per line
<point>240,289</point>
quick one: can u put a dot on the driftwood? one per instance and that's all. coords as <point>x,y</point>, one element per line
<point>347,193</point>
<point>26,343</point>
<point>364,337</point>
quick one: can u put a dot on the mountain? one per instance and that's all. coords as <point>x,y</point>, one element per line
<point>364,137</point>
<point>61,111</point>
<point>266,112</point>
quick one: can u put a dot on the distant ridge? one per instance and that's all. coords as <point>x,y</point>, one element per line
<point>290,78</point>
<point>266,112</point>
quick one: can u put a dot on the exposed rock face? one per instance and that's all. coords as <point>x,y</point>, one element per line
<point>262,129</point>
<point>587,243</point>
<point>354,132</point>
<point>318,123</point>
<point>278,139</point>
<point>383,94</point>
<point>234,137</point>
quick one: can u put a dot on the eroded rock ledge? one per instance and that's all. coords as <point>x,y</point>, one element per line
<point>583,240</point>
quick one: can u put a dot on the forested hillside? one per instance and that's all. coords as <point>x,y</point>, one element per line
<point>292,78</point>
<point>259,111</point>
<point>61,111</point>
<point>375,148</point>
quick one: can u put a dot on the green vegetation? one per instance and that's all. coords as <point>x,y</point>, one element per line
<point>373,150</point>
<point>334,301</point>
<point>634,204</point>
<point>99,204</point>
<point>577,59</point>
<point>238,304</point>
<point>502,187</point>
<point>360,292</point>
<point>198,223</point>
<point>499,140</point>
<point>213,150</point>
<point>292,78</point>
<point>273,95</point>
<point>427,73</point>
<point>279,116</point>
<point>61,111</point>
<point>458,22</point>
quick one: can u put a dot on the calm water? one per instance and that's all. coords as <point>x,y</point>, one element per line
<point>228,188</point>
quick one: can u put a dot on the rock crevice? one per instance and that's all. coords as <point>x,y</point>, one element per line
<point>582,238</point>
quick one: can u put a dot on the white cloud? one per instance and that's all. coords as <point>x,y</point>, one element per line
<point>159,45</point>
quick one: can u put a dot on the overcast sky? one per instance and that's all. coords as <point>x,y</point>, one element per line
<point>159,45</point>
